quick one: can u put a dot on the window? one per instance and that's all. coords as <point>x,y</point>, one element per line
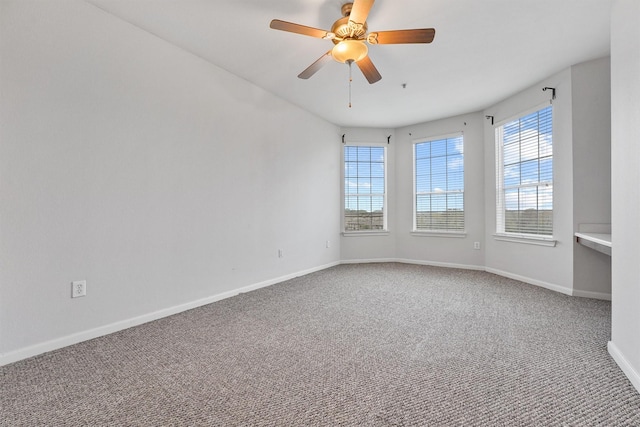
<point>439,185</point>
<point>364,188</point>
<point>525,175</point>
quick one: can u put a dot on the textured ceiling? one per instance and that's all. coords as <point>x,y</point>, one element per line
<point>484,50</point>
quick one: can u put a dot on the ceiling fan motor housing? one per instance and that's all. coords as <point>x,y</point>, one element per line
<point>343,29</point>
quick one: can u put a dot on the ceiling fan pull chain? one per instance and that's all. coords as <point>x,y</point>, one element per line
<point>350,80</point>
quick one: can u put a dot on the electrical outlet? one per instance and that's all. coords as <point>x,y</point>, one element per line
<point>78,288</point>
<point>280,253</point>
<point>476,245</point>
<point>328,244</point>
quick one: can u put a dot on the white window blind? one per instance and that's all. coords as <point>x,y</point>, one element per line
<point>439,185</point>
<point>524,169</point>
<point>364,188</point>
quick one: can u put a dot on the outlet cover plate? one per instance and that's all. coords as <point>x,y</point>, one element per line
<point>78,288</point>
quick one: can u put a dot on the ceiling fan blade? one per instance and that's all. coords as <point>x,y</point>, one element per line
<point>423,35</point>
<point>277,24</point>
<point>360,11</point>
<point>369,70</point>
<point>313,68</point>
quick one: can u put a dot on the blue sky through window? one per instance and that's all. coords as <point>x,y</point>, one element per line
<point>439,184</point>
<point>528,162</point>
<point>439,170</point>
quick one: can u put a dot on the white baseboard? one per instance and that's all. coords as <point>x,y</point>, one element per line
<point>68,340</point>
<point>592,295</point>
<point>535,282</point>
<point>442,264</point>
<point>368,261</point>
<point>413,261</point>
<point>540,283</point>
<point>624,365</point>
<point>551,286</point>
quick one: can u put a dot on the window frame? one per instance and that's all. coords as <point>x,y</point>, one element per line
<point>437,232</point>
<point>500,206</point>
<point>385,227</point>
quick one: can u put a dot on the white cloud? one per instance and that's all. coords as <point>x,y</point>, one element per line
<point>542,141</point>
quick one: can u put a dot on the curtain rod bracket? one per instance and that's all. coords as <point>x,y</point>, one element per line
<point>489,117</point>
<point>553,91</point>
<point>389,139</point>
<point>343,137</point>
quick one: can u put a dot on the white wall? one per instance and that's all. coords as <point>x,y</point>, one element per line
<point>591,84</point>
<point>582,183</point>
<point>166,182</point>
<point>581,188</point>
<point>374,246</point>
<point>398,243</point>
<point>551,267</point>
<point>454,251</point>
<point>625,184</point>
<point>159,178</point>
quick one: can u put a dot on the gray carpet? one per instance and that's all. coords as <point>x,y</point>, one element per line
<point>373,345</point>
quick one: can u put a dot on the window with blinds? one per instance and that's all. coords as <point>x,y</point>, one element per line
<point>364,188</point>
<point>439,184</point>
<point>524,149</point>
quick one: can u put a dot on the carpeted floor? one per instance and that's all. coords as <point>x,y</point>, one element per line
<point>372,345</point>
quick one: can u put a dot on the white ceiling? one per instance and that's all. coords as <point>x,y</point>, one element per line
<point>484,50</point>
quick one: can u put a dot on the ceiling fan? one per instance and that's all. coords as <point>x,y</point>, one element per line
<point>349,34</point>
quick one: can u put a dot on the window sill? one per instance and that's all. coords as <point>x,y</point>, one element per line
<point>455,234</point>
<point>365,233</point>
<point>528,240</point>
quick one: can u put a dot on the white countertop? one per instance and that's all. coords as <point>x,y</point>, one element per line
<point>600,238</point>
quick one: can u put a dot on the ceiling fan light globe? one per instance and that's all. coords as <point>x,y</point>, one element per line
<point>349,50</point>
